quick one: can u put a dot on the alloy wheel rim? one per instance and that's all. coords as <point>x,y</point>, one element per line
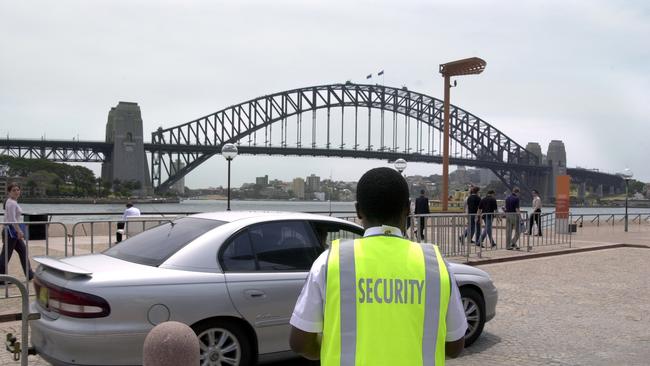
<point>219,347</point>
<point>472,314</point>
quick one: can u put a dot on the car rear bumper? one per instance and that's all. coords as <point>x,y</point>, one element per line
<point>63,342</point>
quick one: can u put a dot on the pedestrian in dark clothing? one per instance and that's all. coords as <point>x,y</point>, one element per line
<point>422,208</point>
<point>473,224</point>
<point>512,220</point>
<point>486,210</point>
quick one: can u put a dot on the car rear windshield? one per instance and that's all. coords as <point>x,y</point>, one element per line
<point>155,245</point>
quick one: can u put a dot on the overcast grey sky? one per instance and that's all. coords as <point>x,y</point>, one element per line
<point>578,71</point>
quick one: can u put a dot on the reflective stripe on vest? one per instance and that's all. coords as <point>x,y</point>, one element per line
<point>386,302</point>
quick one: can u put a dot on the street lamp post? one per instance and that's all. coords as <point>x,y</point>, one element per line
<point>468,66</point>
<point>229,151</point>
<point>627,175</point>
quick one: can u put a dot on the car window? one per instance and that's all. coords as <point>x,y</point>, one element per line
<point>285,245</point>
<point>152,247</point>
<point>238,254</point>
<point>328,232</point>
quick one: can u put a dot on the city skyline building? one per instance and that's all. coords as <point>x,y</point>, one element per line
<point>298,188</point>
<point>313,183</point>
<point>262,181</point>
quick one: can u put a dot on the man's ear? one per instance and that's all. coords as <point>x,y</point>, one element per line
<point>356,207</point>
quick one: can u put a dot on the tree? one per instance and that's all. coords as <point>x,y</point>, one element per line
<point>56,182</point>
<point>31,187</point>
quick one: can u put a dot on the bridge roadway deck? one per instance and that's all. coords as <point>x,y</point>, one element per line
<point>585,308</point>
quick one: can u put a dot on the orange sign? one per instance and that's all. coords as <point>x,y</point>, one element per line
<point>562,186</point>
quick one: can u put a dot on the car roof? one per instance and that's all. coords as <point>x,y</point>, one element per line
<point>233,216</point>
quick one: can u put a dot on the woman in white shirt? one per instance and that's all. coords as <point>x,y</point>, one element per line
<point>13,236</point>
<point>536,216</point>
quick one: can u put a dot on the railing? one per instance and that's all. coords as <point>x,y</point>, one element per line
<point>609,219</point>
<point>20,349</point>
<point>451,232</point>
<point>98,235</point>
<point>58,239</point>
<point>461,235</point>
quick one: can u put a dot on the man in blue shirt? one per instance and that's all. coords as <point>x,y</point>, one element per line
<point>512,220</point>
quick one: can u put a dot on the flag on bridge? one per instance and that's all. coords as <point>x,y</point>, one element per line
<point>380,73</point>
<point>369,76</point>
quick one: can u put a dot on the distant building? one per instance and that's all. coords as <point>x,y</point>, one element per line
<point>313,183</point>
<point>262,181</point>
<point>298,188</point>
<point>319,196</point>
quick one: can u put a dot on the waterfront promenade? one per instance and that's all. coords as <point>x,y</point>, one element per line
<point>580,305</point>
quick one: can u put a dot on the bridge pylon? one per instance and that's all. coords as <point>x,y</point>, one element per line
<point>128,161</point>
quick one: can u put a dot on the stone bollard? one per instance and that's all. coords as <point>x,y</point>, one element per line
<point>171,344</point>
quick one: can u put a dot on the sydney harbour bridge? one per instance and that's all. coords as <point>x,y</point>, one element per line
<point>337,120</point>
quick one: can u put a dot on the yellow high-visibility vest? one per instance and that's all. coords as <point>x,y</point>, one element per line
<point>386,303</point>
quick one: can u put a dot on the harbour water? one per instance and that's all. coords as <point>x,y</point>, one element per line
<point>113,211</point>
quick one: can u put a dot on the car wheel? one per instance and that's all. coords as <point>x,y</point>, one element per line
<point>223,343</point>
<point>474,307</point>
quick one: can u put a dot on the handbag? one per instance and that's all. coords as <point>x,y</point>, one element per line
<point>12,231</point>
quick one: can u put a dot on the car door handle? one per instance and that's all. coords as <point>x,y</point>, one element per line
<point>255,294</point>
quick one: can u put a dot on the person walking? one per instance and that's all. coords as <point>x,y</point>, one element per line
<point>474,225</point>
<point>422,208</point>
<point>13,235</point>
<point>486,210</point>
<point>131,211</point>
<point>536,216</point>
<point>380,299</point>
<point>512,220</point>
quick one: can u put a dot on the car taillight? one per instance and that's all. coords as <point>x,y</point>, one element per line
<point>68,302</point>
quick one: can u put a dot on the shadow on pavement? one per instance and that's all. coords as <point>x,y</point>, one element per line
<point>484,342</point>
<point>295,362</point>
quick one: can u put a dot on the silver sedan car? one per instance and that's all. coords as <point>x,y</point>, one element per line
<point>233,277</point>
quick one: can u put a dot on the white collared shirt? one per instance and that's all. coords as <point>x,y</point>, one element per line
<point>308,312</point>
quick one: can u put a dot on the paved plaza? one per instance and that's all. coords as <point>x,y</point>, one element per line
<point>588,308</point>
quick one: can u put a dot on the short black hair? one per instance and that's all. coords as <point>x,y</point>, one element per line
<point>382,194</point>
<point>421,191</point>
<point>129,205</point>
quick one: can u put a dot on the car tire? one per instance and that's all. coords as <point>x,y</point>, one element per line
<point>224,339</point>
<point>474,307</point>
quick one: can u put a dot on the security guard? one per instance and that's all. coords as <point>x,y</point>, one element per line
<point>382,299</point>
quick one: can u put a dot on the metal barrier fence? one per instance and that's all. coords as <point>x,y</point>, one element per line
<point>609,219</point>
<point>461,235</point>
<point>101,234</point>
<point>58,239</point>
<point>19,349</point>
<point>451,232</point>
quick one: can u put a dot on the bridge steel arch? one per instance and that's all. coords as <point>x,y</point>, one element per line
<point>192,143</point>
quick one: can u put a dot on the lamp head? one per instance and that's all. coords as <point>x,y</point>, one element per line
<point>468,66</point>
<point>229,151</point>
<point>400,165</point>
